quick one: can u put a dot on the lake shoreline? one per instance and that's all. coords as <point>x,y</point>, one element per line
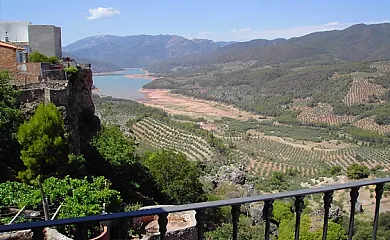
<point>117,84</point>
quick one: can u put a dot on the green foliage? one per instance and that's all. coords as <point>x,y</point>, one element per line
<point>71,70</point>
<point>37,57</point>
<point>356,171</point>
<point>335,170</point>
<point>114,146</point>
<point>116,159</point>
<point>177,177</point>
<point>19,194</point>
<point>79,197</point>
<point>10,118</point>
<point>43,141</point>
<point>245,231</point>
<point>286,230</point>
<point>282,211</point>
<point>53,60</point>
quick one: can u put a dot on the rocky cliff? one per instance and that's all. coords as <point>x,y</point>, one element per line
<point>73,97</point>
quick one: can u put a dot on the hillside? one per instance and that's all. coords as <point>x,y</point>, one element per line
<point>356,43</point>
<point>138,50</point>
<point>297,81</point>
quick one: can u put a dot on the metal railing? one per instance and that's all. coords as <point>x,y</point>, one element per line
<point>235,203</point>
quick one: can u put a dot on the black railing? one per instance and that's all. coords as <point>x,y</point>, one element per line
<point>235,203</point>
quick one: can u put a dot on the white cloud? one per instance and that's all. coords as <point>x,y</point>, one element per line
<point>101,12</point>
<point>246,34</point>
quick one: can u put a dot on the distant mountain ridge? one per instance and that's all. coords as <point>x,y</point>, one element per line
<point>138,50</point>
<point>357,43</point>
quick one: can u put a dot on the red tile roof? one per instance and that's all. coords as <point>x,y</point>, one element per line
<point>8,45</point>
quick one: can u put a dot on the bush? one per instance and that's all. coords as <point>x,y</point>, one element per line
<point>356,171</point>
<point>71,70</point>
<point>177,177</point>
<point>37,57</point>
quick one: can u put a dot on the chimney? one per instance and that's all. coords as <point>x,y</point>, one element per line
<point>6,37</point>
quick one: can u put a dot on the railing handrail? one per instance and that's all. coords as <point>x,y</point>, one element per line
<point>193,206</point>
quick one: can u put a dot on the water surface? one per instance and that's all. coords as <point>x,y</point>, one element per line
<point>119,86</point>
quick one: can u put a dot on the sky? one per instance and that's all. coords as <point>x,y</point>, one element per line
<point>229,20</point>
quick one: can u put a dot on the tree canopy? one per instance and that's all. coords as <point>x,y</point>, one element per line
<point>10,119</point>
<point>356,171</point>
<point>39,57</point>
<point>43,140</point>
<point>177,177</point>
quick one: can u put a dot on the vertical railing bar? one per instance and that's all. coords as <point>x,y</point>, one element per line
<point>267,215</point>
<point>328,197</point>
<point>162,224</point>
<point>298,209</point>
<point>235,211</point>
<point>378,196</point>
<point>81,231</point>
<point>200,214</point>
<point>354,196</point>
<point>38,233</point>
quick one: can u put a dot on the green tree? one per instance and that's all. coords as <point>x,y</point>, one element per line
<point>37,57</point>
<point>43,141</point>
<point>117,160</point>
<point>177,177</point>
<point>114,146</point>
<point>10,119</point>
<point>356,171</point>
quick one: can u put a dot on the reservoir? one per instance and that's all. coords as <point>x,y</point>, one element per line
<point>119,86</point>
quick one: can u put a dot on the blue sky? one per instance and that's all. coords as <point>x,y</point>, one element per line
<point>218,20</point>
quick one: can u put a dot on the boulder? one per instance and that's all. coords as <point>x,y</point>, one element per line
<point>231,174</point>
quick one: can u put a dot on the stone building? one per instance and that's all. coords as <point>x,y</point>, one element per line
<point>10,56</point>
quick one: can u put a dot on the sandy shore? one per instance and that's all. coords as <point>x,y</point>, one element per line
<point>180,104</point>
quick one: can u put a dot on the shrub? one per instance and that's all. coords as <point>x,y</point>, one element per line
<point>356,171</point>
<point>37,57</point>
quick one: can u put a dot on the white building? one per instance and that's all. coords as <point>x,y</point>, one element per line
<point>16,31</point>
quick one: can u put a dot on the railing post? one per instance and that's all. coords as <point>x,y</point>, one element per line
<point>162,224</point>
<point>200,222</point>
<point>81,231</point>
<point>328,197</point>
<point>38,233</point>
<point>378,197</point>
<point>354,196</point>
<point>267,215</point>
<point>235,218</point>
<point>299,204</point>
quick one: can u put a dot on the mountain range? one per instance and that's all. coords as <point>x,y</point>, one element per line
<point>137,50</point>
<point>162,53</point>
<point>357,43</point>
